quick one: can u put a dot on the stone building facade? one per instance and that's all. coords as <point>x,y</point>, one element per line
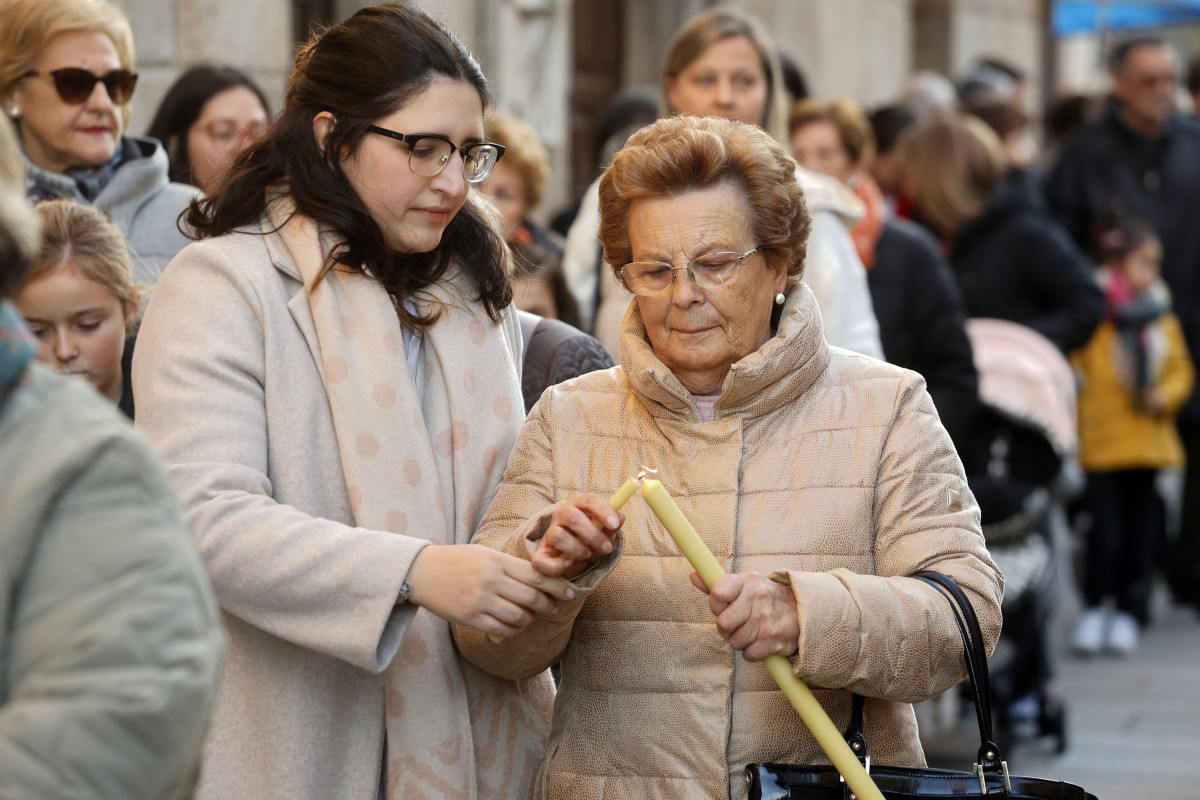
<point>554,62</point>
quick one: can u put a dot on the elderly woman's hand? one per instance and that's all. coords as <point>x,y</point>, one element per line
<point>573,542</point>
<point>755,615</point>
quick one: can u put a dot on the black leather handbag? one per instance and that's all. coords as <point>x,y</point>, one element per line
<point>989,779</point>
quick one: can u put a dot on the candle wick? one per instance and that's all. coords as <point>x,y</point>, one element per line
<point>644,473</point>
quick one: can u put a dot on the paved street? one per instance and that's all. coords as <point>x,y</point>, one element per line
<point>1134,724</point>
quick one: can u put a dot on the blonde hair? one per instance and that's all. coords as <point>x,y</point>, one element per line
<point>715,25</point>
<point>960,161</point>
<point>684,153</point>
<point>18,224</point>
<point>81,237</point>
<point>524,152</point>
<point>847,118</point>
<point>30,25</point>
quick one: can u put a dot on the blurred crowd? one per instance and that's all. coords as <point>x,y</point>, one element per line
<point>933,217</point>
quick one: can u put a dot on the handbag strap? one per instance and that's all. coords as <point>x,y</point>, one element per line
<point>975,656</point>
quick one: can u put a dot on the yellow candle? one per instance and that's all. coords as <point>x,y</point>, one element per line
<point>621,497</point>
<point>797,693</point>
<point>616,501</point>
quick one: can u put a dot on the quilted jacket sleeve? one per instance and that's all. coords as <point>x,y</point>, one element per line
<point>517,518</point>
<point>887,635</point>
<point>110,645</point>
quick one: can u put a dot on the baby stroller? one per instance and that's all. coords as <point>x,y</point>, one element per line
<point>1020,461</point>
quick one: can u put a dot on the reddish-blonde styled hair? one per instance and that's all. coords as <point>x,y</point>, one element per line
<point>858,140</point>
<point>523,151</point>
<point>680,154</point>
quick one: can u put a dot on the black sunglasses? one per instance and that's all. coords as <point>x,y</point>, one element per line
<point>75,85</point>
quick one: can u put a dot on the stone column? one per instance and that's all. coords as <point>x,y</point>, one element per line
<point>172,36</point>
<point>859,49</point>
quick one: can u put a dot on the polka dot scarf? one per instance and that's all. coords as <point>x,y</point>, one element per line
<point>417,463</point>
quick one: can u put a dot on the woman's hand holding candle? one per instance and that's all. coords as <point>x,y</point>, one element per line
<point>710,572</point>
<point>755,615</point>
<point>581,531</point>
<point>590,540</point>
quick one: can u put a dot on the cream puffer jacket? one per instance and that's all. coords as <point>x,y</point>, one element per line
<point>827,469</point>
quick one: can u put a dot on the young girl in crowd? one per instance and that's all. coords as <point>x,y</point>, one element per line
<point>1135,375</point>
<point>79,298</point>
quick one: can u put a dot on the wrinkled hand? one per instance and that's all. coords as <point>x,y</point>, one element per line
<point>488,590</point>
<point>755,615</point>
<point>573,543</point>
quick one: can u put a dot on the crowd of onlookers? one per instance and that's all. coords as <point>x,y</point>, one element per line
<point>941,208</point>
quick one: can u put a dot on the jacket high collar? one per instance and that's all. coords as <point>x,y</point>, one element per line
<point>773,375</point>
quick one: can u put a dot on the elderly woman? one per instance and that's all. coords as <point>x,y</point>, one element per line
<point>819,477</point>
<point>721,63</point>
<point>67,81</point>
<point>515,187</point>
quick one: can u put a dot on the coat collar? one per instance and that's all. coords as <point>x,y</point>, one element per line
<point>772,376</point>
<point>281,211</point>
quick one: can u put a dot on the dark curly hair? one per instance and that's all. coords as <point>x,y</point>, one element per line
<point>361,70</point>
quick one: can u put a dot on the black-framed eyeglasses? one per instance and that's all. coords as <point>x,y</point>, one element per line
<point>75,85</point>
<point>429,153</point>
<point>709,271</point>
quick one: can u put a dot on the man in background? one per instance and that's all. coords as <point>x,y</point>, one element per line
<point>1141,160</point>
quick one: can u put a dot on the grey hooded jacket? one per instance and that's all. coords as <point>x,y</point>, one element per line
<point>110,643</point>
<point>146,206</point>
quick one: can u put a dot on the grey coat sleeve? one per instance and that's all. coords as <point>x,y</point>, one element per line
<point>113,645</point>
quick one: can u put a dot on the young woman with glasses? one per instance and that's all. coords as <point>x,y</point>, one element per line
<point>208,116</point>
<point>330,374</point>
<point>67,81</point>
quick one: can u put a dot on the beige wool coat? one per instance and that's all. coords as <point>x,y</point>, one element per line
<point>826,468</point>
<point>228,387</point>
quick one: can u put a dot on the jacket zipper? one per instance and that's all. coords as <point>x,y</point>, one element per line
<point>688,400</point>
<point>735,563</point>
<point>544,789</point>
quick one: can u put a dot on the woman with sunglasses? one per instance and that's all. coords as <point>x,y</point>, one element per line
<point>66,80</point>
<point>330,375</point>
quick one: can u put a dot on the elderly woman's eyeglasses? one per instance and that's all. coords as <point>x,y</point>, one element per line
<point>428,154</point>
<point>709,271</point>
<point>75,85</point>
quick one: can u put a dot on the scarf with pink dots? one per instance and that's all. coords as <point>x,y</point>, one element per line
<point>422,464</point>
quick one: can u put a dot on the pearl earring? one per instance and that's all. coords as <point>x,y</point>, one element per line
<point>779,298</point>
<point>15,111</point>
